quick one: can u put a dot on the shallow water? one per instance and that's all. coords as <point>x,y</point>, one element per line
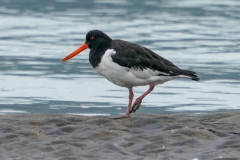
<point>202,36</point>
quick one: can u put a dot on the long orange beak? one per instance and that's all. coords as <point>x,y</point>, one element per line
<point>76,52</point>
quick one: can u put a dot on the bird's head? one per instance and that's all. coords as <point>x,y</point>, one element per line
<point>94,39</point>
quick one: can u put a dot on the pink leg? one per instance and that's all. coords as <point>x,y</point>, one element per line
<point>129,105</point>
<point>137,103</point>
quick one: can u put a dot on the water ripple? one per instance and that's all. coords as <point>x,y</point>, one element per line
<point>198,35</point>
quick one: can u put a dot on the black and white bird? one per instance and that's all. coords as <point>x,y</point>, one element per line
<point>129,65</point>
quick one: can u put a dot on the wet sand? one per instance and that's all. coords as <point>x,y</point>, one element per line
<point>143,136</point>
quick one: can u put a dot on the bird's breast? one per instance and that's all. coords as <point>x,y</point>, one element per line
<point>111,70</point>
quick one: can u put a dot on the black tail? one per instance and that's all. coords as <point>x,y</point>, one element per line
<point>191,74</point>
<point>175,71</point>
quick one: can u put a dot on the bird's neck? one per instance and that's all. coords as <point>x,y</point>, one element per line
<point>96,54</point>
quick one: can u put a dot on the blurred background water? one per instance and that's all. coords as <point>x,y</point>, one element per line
<point>199,35</point>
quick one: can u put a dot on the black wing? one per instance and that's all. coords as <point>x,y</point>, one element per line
<point>135,56</point>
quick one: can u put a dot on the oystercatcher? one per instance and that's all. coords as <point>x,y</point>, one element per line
<point>128,65</point>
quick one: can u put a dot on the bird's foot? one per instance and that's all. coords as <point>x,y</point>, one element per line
<point>136,105</point>
<point>123,116</point>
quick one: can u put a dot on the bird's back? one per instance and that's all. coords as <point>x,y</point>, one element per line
<point>138,57</point>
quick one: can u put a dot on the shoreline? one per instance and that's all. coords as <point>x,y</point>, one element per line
<point>142,136</point>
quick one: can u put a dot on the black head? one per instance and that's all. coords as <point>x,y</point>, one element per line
<point>96,38</point>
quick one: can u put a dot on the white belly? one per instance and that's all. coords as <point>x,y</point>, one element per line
<point>125,77</point>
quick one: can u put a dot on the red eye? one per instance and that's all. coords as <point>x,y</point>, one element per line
<point>91,38</point>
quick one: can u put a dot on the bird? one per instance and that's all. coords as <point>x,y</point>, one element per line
<point>129,65</point>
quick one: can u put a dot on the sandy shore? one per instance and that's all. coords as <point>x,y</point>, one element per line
<point>143,136</point>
